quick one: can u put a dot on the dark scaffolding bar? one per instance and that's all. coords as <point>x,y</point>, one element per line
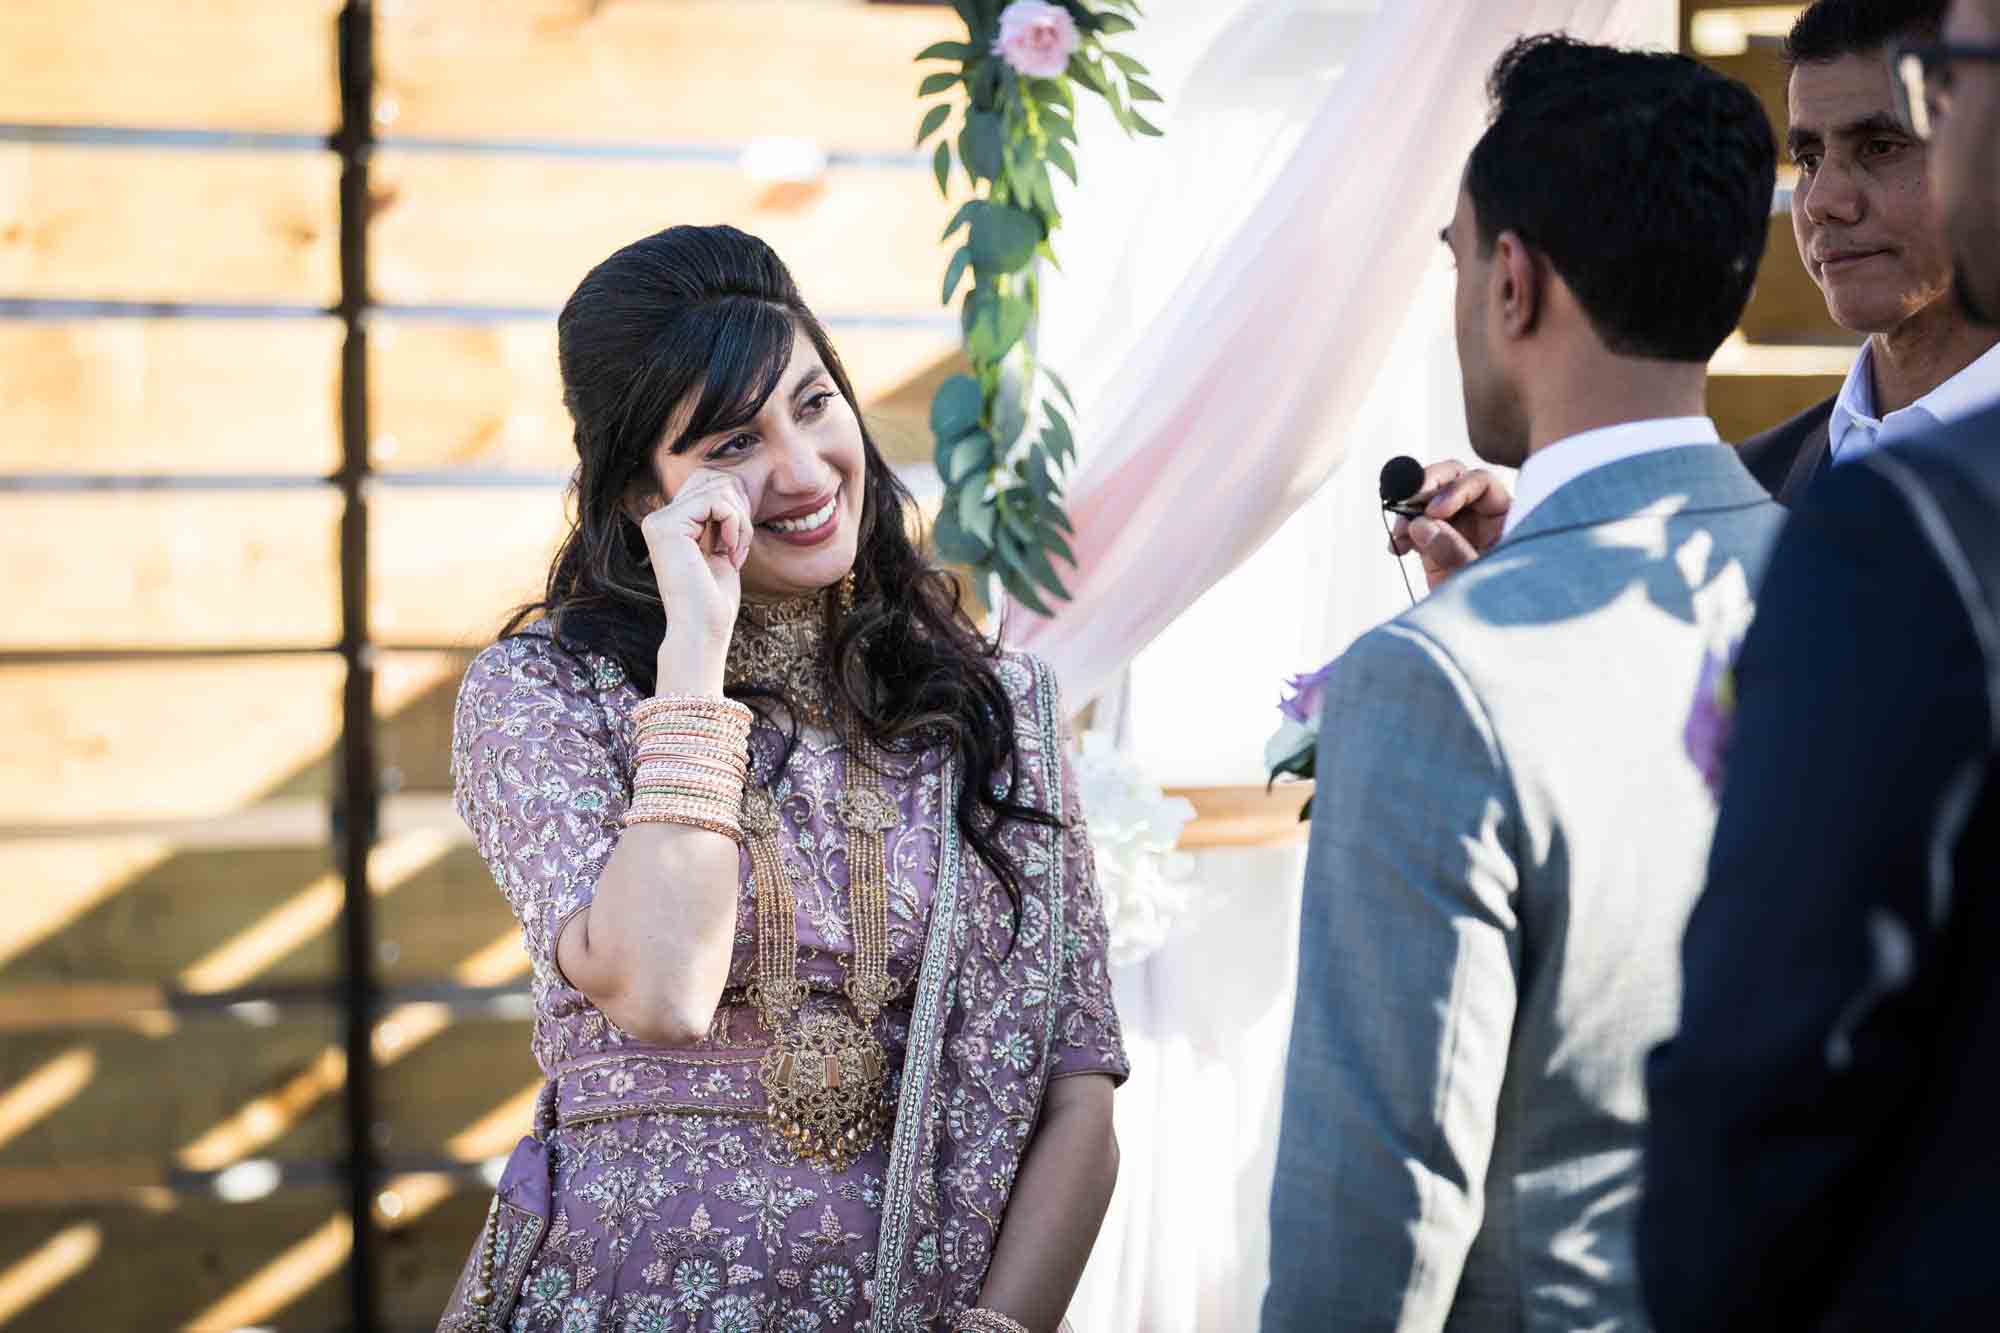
<point>356,812</point>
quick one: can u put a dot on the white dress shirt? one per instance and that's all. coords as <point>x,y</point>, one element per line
<point>1854,429</point>
<point>1550,468</point>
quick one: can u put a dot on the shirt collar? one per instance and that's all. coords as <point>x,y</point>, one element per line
<point>1549,469</point>
<point>1977,386</point>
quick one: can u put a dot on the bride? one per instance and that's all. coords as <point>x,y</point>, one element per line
<point>818,955</point>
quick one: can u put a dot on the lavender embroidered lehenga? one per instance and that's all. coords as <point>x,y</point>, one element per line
<point>652,1194</point>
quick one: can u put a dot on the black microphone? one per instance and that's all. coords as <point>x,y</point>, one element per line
<point>1402,477</point>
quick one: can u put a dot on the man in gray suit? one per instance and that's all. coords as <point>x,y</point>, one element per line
<point>1508,832</point>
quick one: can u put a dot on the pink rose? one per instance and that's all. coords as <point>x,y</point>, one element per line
<point>1036,38</point>
<point>1307,693</point>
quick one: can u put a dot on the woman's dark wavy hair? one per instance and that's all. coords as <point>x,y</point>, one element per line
<point>707,315</point>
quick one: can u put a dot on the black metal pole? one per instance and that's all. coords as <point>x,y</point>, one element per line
<point>357,807</point>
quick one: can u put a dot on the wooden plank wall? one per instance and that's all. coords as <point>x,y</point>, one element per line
<point>168,839</point>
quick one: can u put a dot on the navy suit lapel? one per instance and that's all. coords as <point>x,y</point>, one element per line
<point>1811,460</point>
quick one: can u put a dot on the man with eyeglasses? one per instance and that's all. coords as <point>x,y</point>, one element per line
<point>1820,1151</point>
<point>1869,235</point>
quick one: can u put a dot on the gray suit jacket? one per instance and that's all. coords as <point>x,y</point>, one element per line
<point>1508,835</point>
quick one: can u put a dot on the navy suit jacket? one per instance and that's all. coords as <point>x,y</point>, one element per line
<point>1823,1147</point>
<point>1785,458</point>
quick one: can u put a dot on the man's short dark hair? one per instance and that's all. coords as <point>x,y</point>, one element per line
<point>1644,178</point>
<point>1831,29</point>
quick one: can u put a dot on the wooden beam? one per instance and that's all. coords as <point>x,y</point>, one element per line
<point>101,570</point>
<point>1244,816</point>
<point>523,231</point>
<point>143,395</point>
<point>843,74</point>
<point>490,396</point>
<point>161,1267</point>
<point>141,224</point>
<point>194,64</point>
<point>167,739</point>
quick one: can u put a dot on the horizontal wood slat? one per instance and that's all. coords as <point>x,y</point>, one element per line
<point>196,1087</point>
<point>193,64</point>
<point>101,570</point>
<point>165,739</point>
<point>165,1267</point>
<point>1744,405</point>
<point>523,231</point>
<point>145,395</point>
<point>630,70</point>
<point>490,395</point>
<point>142,224</point>
<point>446,567</point>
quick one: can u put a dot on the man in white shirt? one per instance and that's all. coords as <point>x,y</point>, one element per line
<point>1869,233</point>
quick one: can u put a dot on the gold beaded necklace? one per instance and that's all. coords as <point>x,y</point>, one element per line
<point>824,1074</point>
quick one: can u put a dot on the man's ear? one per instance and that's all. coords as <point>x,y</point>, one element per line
<point>1517,281</point>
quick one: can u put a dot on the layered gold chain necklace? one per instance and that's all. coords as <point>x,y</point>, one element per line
<point>824,1074</point>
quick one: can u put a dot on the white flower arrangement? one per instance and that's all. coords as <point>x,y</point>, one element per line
<point>1134,829</point>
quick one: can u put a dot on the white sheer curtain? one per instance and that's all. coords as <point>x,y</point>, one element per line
<point>1244,306</point>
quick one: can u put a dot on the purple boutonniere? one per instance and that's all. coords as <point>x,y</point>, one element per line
<point>1293,747</point>
<point>1712,717</point>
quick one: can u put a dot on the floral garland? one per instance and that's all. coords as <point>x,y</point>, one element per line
<point>1002,514</point>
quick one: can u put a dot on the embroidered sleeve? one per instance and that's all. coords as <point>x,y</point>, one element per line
<point>1088,1039</point>
<point>536,779</point>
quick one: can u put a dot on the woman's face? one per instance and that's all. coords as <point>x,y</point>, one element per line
<point>801,463</point>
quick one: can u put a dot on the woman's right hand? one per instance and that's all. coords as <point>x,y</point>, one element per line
<point>698,542</point>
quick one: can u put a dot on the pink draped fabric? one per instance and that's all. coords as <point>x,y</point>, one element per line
<point>1231,411</point>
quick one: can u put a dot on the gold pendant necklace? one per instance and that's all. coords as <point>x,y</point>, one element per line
<point>825,1073</point>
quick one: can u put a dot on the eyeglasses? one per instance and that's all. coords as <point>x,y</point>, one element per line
<point>1922,76</point>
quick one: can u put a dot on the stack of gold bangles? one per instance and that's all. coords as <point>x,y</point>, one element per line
<point>982,1320</point>
<point>693,752</point>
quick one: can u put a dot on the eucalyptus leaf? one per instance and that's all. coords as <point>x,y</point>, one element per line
<point>1120,59</point>
<point>1010,411</point>
<point>1011,318</point>
<point>975,513</point>
<point>953,543</point>
<point>1110,25</point>
<point>1146,127</point>
<point>1059,155</point>
<point>982,144</point>
<point>1037,562</point>
<point>1083,73</point>
<point>1142,91</point>
<point>1015,575</point>
<point>941,164</point>
<point>962,216</point>
<point>946,51</point>
<point>954,272</point>
<point>970,455</point>
<point>1035,471</point>
<point>1051,536</point>
<point>936,83</point>
<point>1056,436</point>
<point>1003,239</point>
<point>1061,387</point>
<point>956,407</point>
<point>934,120</point>
<point>987,78</point>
